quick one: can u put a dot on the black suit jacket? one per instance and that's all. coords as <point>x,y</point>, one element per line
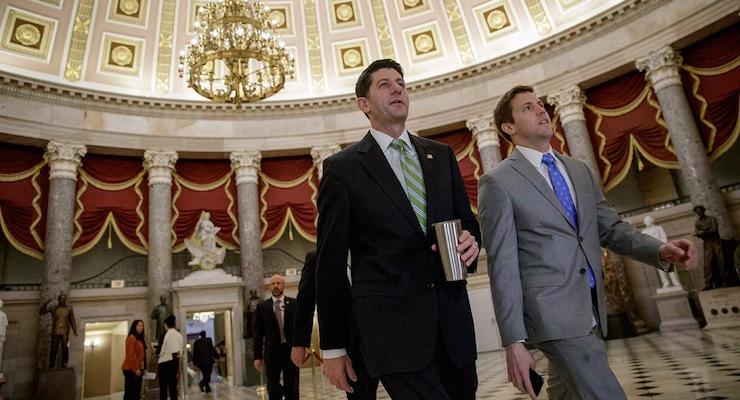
<point>400,300</point>
<point>266,330</point>
<point>305,303</point>
<point>203,352</point>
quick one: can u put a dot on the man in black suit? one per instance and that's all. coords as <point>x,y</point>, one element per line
<point>204,355</point>
<point>365,388</point>
<point>272,342</point>
<point>378,200</point>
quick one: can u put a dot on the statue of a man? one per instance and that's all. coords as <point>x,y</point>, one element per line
<point>3,330</point>
<point>667,279</point>
<point>62,320</point>
<point>206,232</point>
<point>251,313</point>
<point>706,229</point>
<point>159,313</point>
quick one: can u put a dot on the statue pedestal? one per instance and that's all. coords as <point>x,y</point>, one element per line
<point>56,384</point>
<point>721,307</point>
<point>674,310</point>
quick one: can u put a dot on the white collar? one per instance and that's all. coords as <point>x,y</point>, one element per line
<point>534,156</point>
<point>384,140</point>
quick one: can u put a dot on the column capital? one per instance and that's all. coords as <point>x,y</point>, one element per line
<point>159,165</point>
<point>246,164</point>
<point>568,104</point>
<point>321,153</point>
<point>484,130</point>
<point>661,67</point>
<point>63,159</point>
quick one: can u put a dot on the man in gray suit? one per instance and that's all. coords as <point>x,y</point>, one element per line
<point>544,220</point>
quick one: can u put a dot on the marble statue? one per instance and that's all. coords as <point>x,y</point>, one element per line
<point>668,280</point>
<point>207,254</point>
<point>62,320</point>
<point>3,330</point>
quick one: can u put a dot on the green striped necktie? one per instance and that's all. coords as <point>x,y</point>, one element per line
<point>414,182</point>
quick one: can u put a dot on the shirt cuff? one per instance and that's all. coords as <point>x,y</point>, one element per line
<point>333,353</point>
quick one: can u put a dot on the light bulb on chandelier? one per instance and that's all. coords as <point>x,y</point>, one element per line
<point>234,57</point>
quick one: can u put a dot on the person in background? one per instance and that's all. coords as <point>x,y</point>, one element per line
<point>204,356</point>
<point>169,358</point>
<point>133,363</point>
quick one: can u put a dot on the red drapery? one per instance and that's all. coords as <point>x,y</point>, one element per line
<point>110,197</point>
<point>711,80</point>
<point>468,159</point>
<point>24,188</point>
<point>624,120</point>
<point>288,190</point>
<point>204,186</point>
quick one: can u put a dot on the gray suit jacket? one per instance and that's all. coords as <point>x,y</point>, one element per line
<point>537,260</point>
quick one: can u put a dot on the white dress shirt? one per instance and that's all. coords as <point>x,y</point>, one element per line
<point>172,343</point>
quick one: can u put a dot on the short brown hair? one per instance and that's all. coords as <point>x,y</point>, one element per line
<point>502,113</point>
<point>362,87</point>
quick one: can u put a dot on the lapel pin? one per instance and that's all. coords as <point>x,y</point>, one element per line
<point>429,156</point>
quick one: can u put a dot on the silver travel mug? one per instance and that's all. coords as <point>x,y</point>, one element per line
<point>447,233</point>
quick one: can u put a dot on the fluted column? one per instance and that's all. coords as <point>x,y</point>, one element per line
<point>661,68</point>
<point>569,107</point>
<point>159,165</point>
<point>321,153</point>
<point>246,164</point>
<point>486,138</point>
<point>63,160</point>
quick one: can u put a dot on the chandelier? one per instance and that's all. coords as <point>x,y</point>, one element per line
<point>234,58</point>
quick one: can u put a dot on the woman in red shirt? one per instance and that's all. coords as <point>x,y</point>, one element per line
<point>133,364</point>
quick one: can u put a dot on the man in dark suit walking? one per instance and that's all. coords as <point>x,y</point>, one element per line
<point>377,201</point>
<point>365,388</point>
<point>544,220</point>
<point>204,355</point>
<point>272,342</point>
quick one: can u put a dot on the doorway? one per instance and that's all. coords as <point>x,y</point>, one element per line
<point>105,349</point>
<point>217,326</point>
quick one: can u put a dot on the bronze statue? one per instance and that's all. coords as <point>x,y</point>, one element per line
<point>250,314</point>
<point>62,319</point>
<point>159,313</point>
<point>707,230</point>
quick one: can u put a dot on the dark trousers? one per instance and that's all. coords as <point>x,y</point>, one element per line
<point>131,386</point>
<point>275,364</point>
<point>56,341</point>
<point>167,379</point>
<point>366,387</point>
<point>205,383</point>
<point>441,380</point>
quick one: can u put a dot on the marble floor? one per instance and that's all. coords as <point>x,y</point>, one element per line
<point>672,366</point>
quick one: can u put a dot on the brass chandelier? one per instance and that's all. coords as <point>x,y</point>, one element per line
<point>234,57</point>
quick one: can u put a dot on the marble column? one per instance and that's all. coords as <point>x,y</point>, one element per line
<point>486,138</point>
<point>569,106</point>
<point>246,165</point>
<point>661,68</point>
<point>159,165</point>
<point>63,160</point>
<point>321,153</point>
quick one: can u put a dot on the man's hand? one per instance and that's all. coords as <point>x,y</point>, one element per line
<point>467,247</point>
<point>679,251</point>
<point>337,370</point>
<point>518,363</point>
<point>138,372</point>
<point>258,365</point>
<point>299,355</point>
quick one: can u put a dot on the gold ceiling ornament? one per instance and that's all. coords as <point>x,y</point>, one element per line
<point>236,35</point>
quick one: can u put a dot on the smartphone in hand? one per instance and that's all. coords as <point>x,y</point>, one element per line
<point>536,380</point>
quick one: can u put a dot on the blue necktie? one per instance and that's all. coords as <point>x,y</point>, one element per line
<point>563,194</point>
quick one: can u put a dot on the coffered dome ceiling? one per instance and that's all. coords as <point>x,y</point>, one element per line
<point>130,47</point>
